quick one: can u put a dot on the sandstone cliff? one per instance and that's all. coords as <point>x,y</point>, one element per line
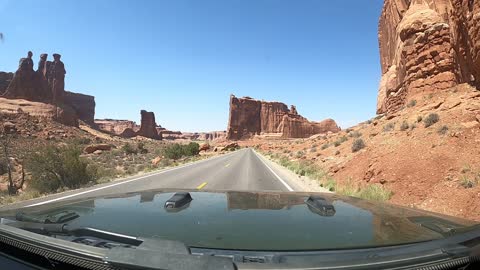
<point>250,117</point>
<point>426,46</point>
<point>84,105</point>
<point>148,126</point>
<point>116,127</point>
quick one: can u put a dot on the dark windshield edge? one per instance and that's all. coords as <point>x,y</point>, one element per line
<point>435,251</point>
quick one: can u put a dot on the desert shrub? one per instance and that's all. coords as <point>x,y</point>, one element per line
<point>404,126</point>
<point>141,148</point>
<point>53,167</point>
<point>413,126</point>
<point>469,182</point>
<point>375,192</point>
<point>173,151</point>
<point>176,151</point>
<point>325,146</point>
<point>431,119</point>
<point>80,140</point>
<point>442,130</point>
<point>300,154</point>
<point>129,149</point>
<point>340,140</point>
<point>355,134</point>
<point>412,103</point>
<point>388,127</point>
<point>419,119</point>
<point>191,149</point>
<point>313,149</point>
<point>357,145</point>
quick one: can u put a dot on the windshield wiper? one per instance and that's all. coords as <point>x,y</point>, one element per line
<point>59,217</point>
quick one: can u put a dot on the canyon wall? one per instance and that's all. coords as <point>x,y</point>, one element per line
<point>249,117</point>
<point>426,46</point>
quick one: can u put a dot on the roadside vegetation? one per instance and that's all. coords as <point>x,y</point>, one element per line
<point>55,167</point>
<point>376,192</point>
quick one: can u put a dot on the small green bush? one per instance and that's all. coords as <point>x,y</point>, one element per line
<point>468,182</point>
<point>129,149</point>
<point>442,130</point>
<point>431,119</point>
<point>404,126</point>
<point>412,103</point>
<point>357,145</point>
<point>176,151</point>
<point>375,192</point>
<point>388,127</point>
<point>355,134</point>
<point>313,150</point>
<point>325,146</point>
<point>340,140</point>
<point>53,167</point>
<point>141,148</point>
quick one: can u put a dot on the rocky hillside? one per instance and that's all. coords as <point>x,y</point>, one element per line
<point>426,46</point>
<point>249,117</point>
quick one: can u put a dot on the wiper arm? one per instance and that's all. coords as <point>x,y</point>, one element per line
<point>59,217</point>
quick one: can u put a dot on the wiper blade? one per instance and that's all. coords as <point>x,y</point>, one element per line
<point>59,217</point>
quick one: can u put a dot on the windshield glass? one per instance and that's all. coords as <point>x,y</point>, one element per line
<point>241,125</point>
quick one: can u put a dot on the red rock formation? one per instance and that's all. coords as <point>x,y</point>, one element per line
<point>116,127</point>
<point>426,46</point>
<point>5,79</point>
<point>84,105</point>
<point>148,126</point>
<point>65,115</point>
<point>250,117</point>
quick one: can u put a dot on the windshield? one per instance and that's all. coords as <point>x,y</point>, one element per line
<point>241,125</point>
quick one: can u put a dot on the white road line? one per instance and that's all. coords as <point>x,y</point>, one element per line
<point>127,181</point>
<point>278,177</point>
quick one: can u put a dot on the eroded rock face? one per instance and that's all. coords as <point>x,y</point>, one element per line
<point>426,46</point>
<point>117,127</point>
<point>62,114</point>
<point>250,117</point>
<point>148,126</point>
<point>84,105</point>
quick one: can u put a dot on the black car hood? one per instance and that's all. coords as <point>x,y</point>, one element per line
<point>258,220</point>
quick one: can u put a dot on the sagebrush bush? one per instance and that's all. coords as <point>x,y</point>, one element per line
<point>404,126</point>
<point>340,140</point>
<point>431,119</point>
<point>388,127</point>
<point>419,119</point>
<point>442,130</point>
<point>357,145</point>
<point>176,151</point>
<point>53,167</point>
<point>325,146</point>
<point>355,134</point>
<point>412,103</point>
<point>129,149</point>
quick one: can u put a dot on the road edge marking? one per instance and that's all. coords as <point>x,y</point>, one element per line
<point>202,185</point>
<point>124,182</point>
<point>274,173</point>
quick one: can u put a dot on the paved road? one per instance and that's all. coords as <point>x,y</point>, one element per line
<point>240,170</point>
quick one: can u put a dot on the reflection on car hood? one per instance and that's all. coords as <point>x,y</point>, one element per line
<point>258,220</point>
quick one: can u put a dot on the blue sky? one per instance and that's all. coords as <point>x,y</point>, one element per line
<point>183,59</point>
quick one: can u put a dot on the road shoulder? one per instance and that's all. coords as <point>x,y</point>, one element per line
<point>298,183</point>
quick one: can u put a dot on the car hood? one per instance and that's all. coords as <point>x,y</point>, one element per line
<point>257,220</point>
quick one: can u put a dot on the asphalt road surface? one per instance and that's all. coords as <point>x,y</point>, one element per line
<point>241,170</point>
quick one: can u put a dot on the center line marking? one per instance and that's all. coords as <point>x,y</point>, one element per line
<point>202,185</point>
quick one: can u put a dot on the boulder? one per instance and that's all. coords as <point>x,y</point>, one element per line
<point>204,147</point>
<point>249,117</point>
<point>156,161</point>
<point>95,147</point>
<point>426,46</point>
